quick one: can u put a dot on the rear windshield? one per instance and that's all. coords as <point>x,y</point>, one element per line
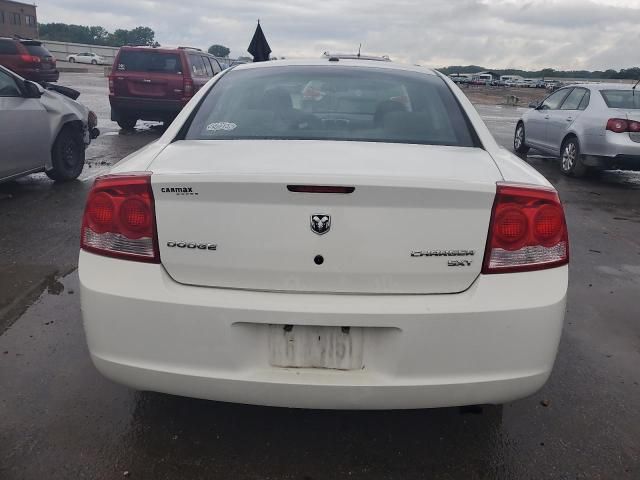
<point>37,50</point>
<point>131,61</point>
<point>621,98</point>
<point>332,103</point>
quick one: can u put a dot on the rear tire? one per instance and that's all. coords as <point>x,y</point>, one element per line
<point>67,155</point>
<point>72,60</point>
<point>570,159</point>
<point>127,123</point>
<point>93,62</point>
<point>519,144</point>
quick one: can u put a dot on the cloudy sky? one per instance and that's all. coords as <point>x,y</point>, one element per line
<point>562,34</point>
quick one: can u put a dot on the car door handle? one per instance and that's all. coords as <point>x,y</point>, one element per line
<point>546,117</point>
<point>569,119</point>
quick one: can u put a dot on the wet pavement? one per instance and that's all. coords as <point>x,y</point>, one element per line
<point>59,419</point>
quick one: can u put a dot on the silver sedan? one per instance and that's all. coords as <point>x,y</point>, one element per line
<point>588,126</point>
<point>42,129</point>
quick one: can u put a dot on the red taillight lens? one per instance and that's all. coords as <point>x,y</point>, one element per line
<point>111,85</point>
<point>30,58</point>
<point>527,231</point>
<point>617,125</point>
<point>510,227</point>
<point>119,218</point>
<point>188,87</point>
<point>634,127</point>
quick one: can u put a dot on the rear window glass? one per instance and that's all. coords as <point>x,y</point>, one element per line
<point>37,50</point>
<point>132,61</point>
<point>332,103</point>
<point>8,47</point>
<point>621,98</point>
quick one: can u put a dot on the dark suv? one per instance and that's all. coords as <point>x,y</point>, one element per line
<point>29,59</point>
<point>149,83</point>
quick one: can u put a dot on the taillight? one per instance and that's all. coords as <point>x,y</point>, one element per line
<point>30,58</point>
<point>634,127</point>
<point>111,85</point>
<point>119,218</point>
<point>527,230</point>
<point>618,125</point>
<point>188,87</point>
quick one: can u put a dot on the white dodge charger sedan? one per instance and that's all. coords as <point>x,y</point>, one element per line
<point>340,234</point>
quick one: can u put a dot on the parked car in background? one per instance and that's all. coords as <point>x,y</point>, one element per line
<point>524,83</point>
<point>330,233</point>
<point>540,84</point>
<point>41,130</point>
<point>29,59</point>
<point>86,57</point>
<point>149,83</point>
<point>460,79</point>
<point>553,85</point>
<point>223,62</point>
<point>588,126</point>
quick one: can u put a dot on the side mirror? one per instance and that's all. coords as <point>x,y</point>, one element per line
<point>534,105</point>
<point>31,90</point>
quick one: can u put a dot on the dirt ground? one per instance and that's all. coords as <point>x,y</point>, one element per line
<point>498,95</point>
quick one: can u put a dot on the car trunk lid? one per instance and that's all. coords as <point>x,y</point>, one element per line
<point>416,221</point>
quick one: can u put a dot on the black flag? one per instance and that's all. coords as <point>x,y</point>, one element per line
<point>259,47</point>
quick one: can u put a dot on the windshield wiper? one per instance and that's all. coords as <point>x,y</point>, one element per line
<point>633,89</point>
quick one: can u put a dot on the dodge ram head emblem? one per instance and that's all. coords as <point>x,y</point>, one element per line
<point>320,223</point>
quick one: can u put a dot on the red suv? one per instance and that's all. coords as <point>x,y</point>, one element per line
<point>149,83</point>
<point>29,59</point>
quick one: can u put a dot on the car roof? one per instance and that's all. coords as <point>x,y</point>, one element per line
<point>603,86</point>
<point>359,63</point>
<point>26,41</point>
<point>166,49</point>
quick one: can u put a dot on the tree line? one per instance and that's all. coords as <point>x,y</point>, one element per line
<point>625,73</point>
<point>95,35</point>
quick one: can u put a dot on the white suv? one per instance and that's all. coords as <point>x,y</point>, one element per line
<point>326,234</point>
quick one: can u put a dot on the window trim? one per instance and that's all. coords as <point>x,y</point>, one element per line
<point>214,62</point>
<point>190,58</point>
<point>567,89</point>
<point>585,90</point>
<point>207,63</point>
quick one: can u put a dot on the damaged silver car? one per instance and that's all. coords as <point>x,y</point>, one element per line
<point>42,129</point>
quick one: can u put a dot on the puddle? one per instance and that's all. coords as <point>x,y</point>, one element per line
<point>22,285</point>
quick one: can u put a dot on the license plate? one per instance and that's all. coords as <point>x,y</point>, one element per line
<point>304,346</point>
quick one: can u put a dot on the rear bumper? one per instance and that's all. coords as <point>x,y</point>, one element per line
<point>143,108</point>
<point>38,75</point>
<point>494,343</point>
<point>611,150</point>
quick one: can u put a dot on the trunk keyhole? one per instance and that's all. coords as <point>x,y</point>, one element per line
<point>319,260</point>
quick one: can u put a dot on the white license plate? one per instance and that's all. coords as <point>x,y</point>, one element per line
<point>305,346</point>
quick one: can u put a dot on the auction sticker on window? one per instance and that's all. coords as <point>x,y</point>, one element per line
<point>225,126</point>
